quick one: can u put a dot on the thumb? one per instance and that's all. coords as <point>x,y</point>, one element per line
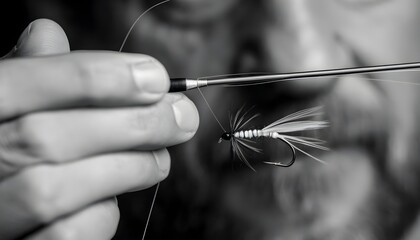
<point>42,37</point>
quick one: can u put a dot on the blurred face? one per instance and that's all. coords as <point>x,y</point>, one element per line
<point>372,166</point>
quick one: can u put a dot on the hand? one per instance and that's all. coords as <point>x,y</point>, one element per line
<point>78,128</point>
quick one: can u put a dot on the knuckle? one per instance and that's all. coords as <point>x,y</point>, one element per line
<point>6,109</point>
<point>153,125</point>
<point>31,136</point>
<point>86,82</point>
<point>102,81</point>
<point>43,204</point>
<point>9,140</point>
<point>7,106</point>
<point>147,121</point>
<point>63,232</point>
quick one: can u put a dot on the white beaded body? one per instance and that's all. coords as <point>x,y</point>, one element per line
<point>255,133</point>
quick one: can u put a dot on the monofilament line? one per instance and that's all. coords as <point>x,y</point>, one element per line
<point>135,22</point>
<point>121,48</point>
<point>150,211</point>
<point>211,110</point>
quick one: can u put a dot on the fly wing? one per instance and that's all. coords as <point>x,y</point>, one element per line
<point>236,119</point>
<point>298,122</point>
<point>288,140</point>
<point>243,142</point>
<point>240,119</point>
<point>296,126</point>
<point>246,122</point>
<point>306,113</point>
<point>239,152</point>
<point>309,142</point>
<point>292,141</point>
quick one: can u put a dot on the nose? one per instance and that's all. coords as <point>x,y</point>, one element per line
<point>299,35</point>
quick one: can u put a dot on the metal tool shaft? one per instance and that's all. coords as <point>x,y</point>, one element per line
<point>311,74</point>
<point>183,84</point>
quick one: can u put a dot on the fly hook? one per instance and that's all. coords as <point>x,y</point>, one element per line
<point>279,129</point>
<point>279,164</point>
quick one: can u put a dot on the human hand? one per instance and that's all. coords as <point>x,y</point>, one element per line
<point>77,129</point>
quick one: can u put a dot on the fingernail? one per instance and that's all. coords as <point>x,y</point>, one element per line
<point>24,36</point>
<point>186,114</point>
<point>163,160</point>
<point>151,77</point>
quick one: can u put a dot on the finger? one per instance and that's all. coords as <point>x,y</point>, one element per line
<point>57,137</point>
<point>79,79</point>
<point>48,192</point>
<point>41,38</point>
<point>96,222</point>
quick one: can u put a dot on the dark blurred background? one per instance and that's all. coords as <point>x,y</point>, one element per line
<point>13,20</point>
<point>368,191</point>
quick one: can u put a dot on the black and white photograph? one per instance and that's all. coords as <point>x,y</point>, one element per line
<point>210,119</point>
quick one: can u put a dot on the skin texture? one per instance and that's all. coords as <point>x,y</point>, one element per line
<point>368,190</point>
<point>75,133</point>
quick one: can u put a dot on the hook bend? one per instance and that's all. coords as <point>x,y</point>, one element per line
<point>290,163</point>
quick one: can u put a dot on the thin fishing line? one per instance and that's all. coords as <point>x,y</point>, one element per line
<point>267,82</point>
<point>297,79</point>
<point>121,48</point>
<point>390,81</point>
<point>150,211</point>
<point>230,75</point>
<point>211,110</point>
<point>205,100</point>
<point>207,103</point>
<point>135,22</point>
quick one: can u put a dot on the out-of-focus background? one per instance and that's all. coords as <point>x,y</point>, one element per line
<point>12,24</point>
<point>370,188</point>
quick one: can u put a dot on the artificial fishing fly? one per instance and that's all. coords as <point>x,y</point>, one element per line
<point>296,122</point>
<point>241,138</point>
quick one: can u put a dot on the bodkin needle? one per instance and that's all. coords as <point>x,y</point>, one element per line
<point>184,84</point>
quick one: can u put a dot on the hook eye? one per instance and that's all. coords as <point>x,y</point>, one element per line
<point>279,164</point>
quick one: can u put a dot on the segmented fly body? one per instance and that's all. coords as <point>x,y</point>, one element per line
<point>297,122</point>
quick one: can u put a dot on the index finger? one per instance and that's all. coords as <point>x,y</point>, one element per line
<point>79,79</point>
